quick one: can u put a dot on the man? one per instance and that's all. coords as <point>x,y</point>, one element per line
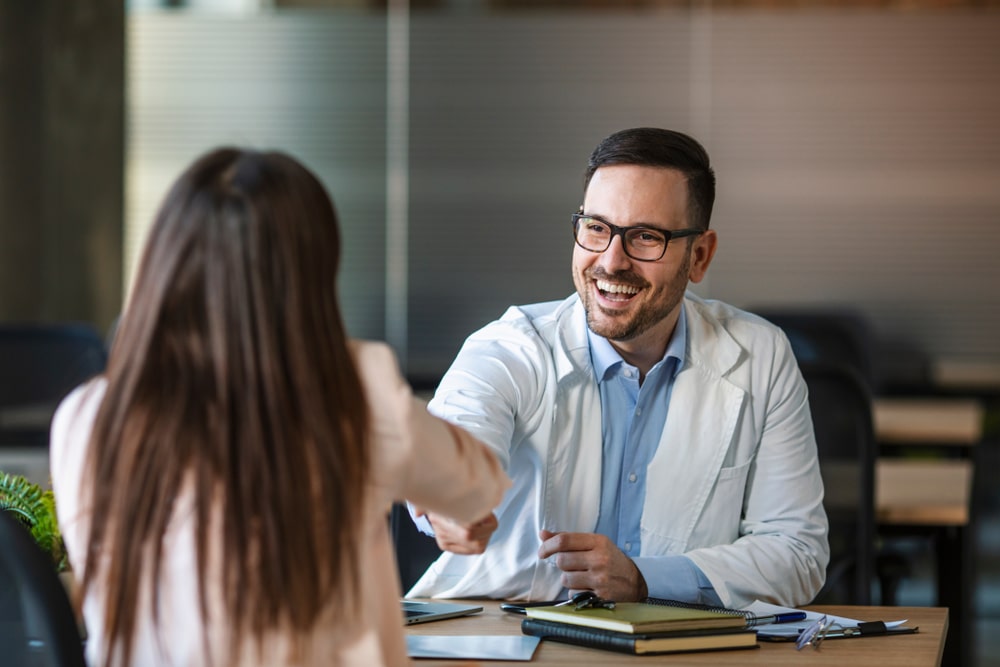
<point>660,444</point>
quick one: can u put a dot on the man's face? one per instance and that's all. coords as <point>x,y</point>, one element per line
<point>629,301</point>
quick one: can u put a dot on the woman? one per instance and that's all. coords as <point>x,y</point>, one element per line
<point>223,488</point>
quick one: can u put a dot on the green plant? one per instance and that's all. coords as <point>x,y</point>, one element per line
<point>36,509</point>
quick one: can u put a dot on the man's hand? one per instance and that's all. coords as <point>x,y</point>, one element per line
<point>591,562</point>
<point>458,539</point>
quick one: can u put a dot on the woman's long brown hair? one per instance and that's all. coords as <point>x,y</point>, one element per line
<point>230,379</point>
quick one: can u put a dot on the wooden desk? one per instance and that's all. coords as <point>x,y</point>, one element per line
<point>923,649</point>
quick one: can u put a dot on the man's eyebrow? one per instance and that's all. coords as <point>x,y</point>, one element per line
<point>645,225</point>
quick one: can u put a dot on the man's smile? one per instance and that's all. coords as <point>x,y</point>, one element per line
<point>616,292</point>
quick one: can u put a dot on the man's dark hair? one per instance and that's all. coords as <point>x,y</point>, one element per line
<point>653,147</point>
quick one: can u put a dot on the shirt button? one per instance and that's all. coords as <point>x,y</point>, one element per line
<point>628,546</point>
<point>638,411</point>
<point>631,477</point>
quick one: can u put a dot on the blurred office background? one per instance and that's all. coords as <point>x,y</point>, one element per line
<point>855,144</point>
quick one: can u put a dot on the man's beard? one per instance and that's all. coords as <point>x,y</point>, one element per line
<point>613,327</point>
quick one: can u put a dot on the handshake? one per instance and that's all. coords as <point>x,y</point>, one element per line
<point>461,539</point>
<point>588,561</point>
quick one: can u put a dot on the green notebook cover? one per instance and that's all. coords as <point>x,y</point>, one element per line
<point>639,617</point>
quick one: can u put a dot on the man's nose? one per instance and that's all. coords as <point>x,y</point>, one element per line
<point>614,257</point>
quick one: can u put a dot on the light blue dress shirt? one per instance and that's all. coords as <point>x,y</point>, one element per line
<point>632,416</point>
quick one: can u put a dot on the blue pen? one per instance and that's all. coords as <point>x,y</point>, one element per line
<point>788,617</point>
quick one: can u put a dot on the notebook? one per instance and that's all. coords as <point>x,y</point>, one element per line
<point>640,644</point>
<point>416,611</point>
<point>641,617</point>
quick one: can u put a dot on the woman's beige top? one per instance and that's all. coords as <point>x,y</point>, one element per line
<point>414,457</point>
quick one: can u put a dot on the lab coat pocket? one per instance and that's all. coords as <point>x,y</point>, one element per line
<point>720,520</point>
<point>657,544</point>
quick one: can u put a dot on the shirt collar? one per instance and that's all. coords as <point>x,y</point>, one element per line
<point>605,358</point>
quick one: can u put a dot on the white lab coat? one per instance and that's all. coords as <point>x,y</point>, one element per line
<point>734,484</point>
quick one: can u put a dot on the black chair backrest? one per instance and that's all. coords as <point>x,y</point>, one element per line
<point>414,550</point>
<point>840,403</point>
<point>37,624</point>
<point>839,337</point>
<point>39,365</point>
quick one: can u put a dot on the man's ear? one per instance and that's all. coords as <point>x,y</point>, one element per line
<point>702,251</point>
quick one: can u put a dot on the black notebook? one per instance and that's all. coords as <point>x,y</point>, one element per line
<point>640,644</point>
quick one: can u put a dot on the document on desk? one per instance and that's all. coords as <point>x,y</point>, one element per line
<point>792,630</point>
<point>472,647</point>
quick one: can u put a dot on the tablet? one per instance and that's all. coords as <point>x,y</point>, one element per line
<point>472,647</point>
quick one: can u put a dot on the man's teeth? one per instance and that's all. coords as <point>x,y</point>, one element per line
<point>616,289</point>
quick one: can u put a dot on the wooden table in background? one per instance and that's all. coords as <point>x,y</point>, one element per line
<point>966,376</point>
<point>928,421</point>
<point>931,495</point>
<point>923,492</point>
<point>923,649</point>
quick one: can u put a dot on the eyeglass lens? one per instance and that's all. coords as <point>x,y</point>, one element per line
<point>640,243</point>
<point>814,634</point>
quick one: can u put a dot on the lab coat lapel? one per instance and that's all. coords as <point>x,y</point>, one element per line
<point>572,498</point>
<point>701,421</point>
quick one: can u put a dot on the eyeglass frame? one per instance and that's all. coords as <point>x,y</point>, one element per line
<point>669,235</point>
<point>816,632</point>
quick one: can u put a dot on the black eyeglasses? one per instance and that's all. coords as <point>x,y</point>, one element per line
<point>643,243</point>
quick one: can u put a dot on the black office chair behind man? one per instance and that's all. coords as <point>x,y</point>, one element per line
<point>414,550</point>
<point>843,337</point>
<point>840,402</point>
<point>37,624</point>
<point>837,336</point>
<point>39,365</point>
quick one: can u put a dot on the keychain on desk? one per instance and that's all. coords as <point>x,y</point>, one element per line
<point>581,600</point>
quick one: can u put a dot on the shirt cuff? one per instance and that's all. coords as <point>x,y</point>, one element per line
<point>421,522</point>
<point>676,578</point>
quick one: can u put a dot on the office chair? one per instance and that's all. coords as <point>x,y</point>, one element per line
<point>39,365</point>
<point>414,550</point>
<point>37,624</point>
<point>840,403</point>
<point>833,336</point>
<point>843,337</point>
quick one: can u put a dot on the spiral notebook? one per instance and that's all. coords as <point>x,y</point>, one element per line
<point>751,617</point>
<point>642,617</point>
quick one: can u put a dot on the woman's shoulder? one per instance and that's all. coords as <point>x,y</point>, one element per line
<point>78,408</point>
<point>69,438</point>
